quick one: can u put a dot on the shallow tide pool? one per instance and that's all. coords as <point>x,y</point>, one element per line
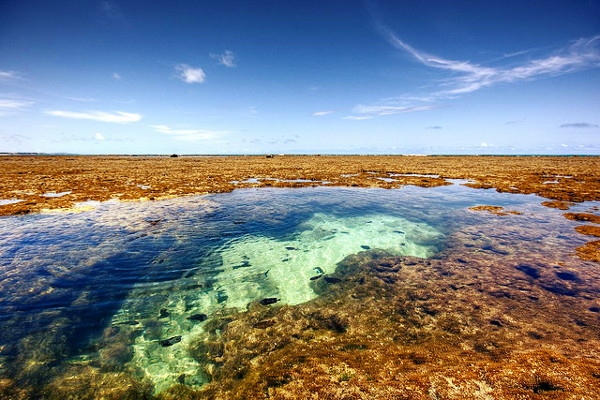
<point>128,287</point>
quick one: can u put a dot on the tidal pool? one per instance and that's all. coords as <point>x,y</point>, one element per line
<point>126,289</point>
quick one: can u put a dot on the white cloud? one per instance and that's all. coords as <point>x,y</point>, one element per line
<point>190,74</point>
<point>116,75</point>
<point>8,75</point>
<point>357,118</point>
<point>226,58</point>
<point>10,106</point>
<point>322,113</point>
<point>581,54</point>
<point>99,136</point>
<point>189,134</point>
<point>118,117</point>
<point>389,109</point>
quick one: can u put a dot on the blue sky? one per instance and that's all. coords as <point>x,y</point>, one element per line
<point>359,77</point>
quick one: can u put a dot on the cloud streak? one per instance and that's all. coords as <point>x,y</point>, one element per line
<point>8,75</point>
<point>118,117</point>
<point>227,58</point>
<point>322,113</point>
<point>10,106</point>
<point>579,125</point>
<point>467,77</point>
<point>189,134</point>
<point>190,74</point>
<point>390,110</point>
<point>581,54</point>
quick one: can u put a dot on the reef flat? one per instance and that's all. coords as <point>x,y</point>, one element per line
<point>65,180</point>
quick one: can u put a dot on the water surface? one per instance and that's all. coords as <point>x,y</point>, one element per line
<point>128,287</point>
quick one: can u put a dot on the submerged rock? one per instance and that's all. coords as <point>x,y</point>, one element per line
<point>314,278</point>
<point>198,317</point>
<point>164,313</point>
<point>330,279</point>
<point>269,300</point>
<point>170,341</point>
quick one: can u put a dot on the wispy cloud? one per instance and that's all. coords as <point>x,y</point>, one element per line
<point>358,117</point>
<point>227,58</point>
<point>119,117</point>
<point>377,110</point>
<point>99,136</point>
<point>81,99</point>
<point>189,134</point>
<point>116,75</point>
<point>190,74</point>
<point>580,54</point>
<point>8,75</point>
<point>579,125</point>
<point>10,106</point>
<point>322,113</point>
<point>434,127</point>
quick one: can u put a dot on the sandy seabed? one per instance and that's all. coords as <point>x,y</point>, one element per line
<point>490,317</point>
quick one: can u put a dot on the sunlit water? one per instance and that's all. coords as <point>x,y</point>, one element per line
<point>163,268</point>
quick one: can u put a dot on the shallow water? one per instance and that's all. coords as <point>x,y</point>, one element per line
<point>105,288</point>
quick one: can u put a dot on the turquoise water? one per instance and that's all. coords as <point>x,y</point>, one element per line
<point>129,286</point>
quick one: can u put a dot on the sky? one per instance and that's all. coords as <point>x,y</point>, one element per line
<point>300,77</point>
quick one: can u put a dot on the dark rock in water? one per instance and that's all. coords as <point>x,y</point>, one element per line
<point>267,273</point>
<point>164,313</point>
<point>242,265</point>
<point>364,246</point>
<point>264,324</point>
<point>314,278</point>
<point>495,322</point>
<point>154,221</point>
<point>400,232</point>
<point>369,222</point>
<point>529,270</point>
<point>337,324</point>
<point>567,276</point>
<point>170,341</point>
<point>181,379</point>
<point>318,270</point>
<point>330,279</point>
<point>560,289</point>
<point>198,317</point>
<point>269,300</point>
<point>290,248</point>
<point>173,155</point>
<point>221,297</point>
<point>285,260</point>
<point>594,309</point>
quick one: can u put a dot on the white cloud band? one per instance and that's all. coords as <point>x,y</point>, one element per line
<point>118,117</point>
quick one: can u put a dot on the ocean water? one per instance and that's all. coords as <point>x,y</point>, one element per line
<point>127,287</point>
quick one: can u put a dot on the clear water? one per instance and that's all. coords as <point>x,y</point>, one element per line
<point>104,287</point>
